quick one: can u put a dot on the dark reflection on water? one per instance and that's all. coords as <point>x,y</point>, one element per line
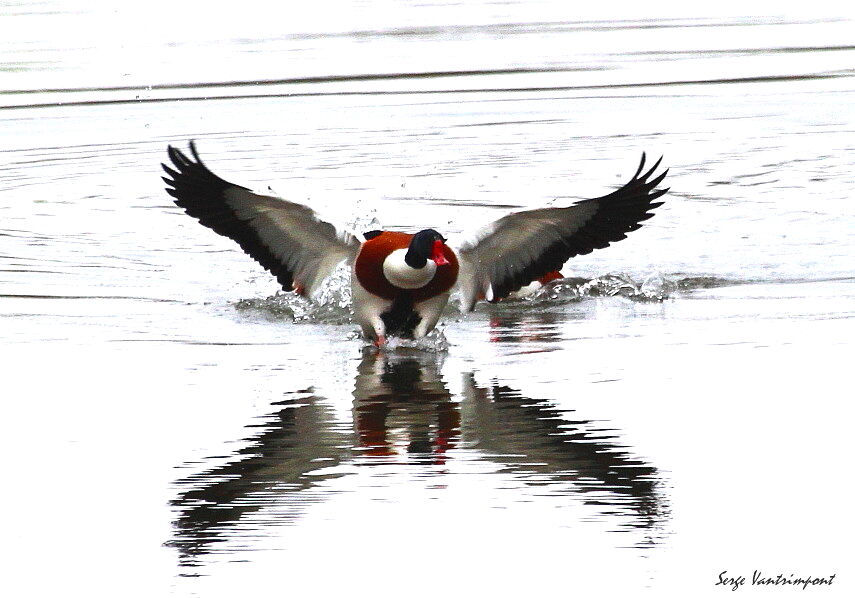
<point>546,445</point>
<point>299,439</point>
<point>538,329</point>
<point>401,404</point>
<point>403,412</point>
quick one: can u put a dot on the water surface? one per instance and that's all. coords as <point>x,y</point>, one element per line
<point>676,408</point>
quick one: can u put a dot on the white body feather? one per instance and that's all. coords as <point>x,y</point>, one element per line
<point>367,309</point>
<point>404,276</point>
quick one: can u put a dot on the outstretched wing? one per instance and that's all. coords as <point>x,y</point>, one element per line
<point>522,247</point>
<point>286,238</point>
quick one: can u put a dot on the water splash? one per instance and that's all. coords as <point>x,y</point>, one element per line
<point>333,302</point>
<point>297,309</point>
<point>335,290</point>
<point>363,222</point>
<point>433,342</point>
<point>657,287</point>
<point>654,288</point>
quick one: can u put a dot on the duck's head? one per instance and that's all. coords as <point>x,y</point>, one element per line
<point>426,244</point>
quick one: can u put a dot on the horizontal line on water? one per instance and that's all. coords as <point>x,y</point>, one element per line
<point>730,51</point>
<point>756,79</point>
<point>308,80</point>
<point>194,342</point>
<point>14,296</point>
<point>547,27</point>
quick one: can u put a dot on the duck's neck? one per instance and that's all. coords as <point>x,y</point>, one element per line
<point>404,276</point>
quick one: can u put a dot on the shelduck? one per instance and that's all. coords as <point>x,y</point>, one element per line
<point>401,282</point>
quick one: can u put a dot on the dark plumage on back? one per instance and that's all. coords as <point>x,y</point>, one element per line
<point>286,238</point>
<point>524,246</point>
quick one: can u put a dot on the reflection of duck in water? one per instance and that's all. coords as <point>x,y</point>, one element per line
<point>402,405</point>
<point>403,412</point>
<point>299,439</point>
<point>530,326</point>
<point>538,438</point>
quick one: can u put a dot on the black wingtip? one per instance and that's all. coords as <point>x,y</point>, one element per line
<point>169,170</point>
<point>641,165</point>
<point>654,167</point>
<point>194,152</point>
<point>177,157</point>
<point>655,182</point>
<point>180,159</point>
